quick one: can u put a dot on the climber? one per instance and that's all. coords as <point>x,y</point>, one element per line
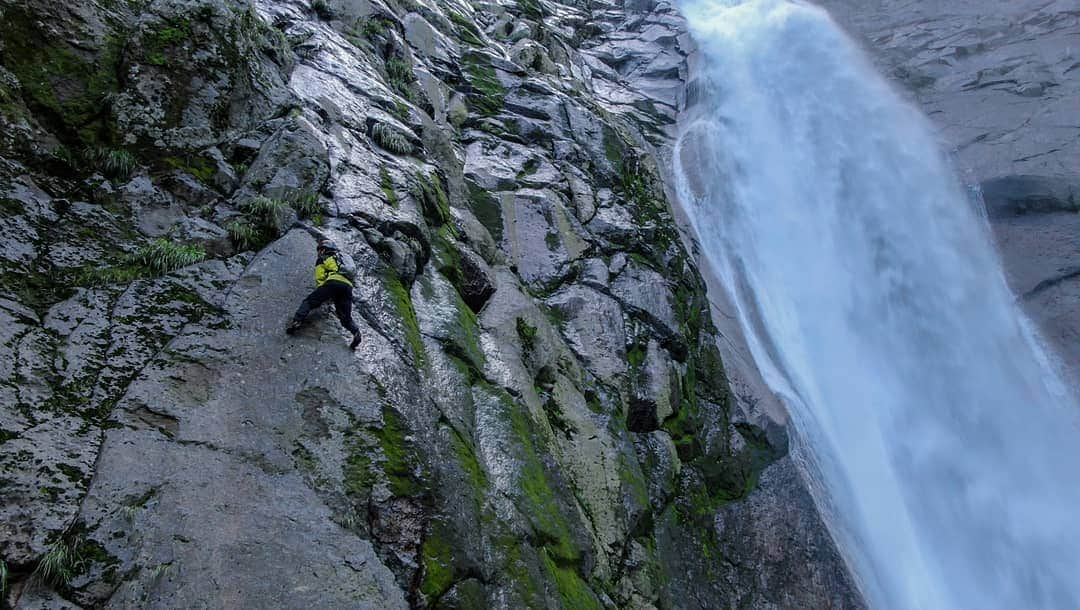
<point>332,282</point>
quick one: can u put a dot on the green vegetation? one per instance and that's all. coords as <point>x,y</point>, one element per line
<point>3,579</point>
<point>390,139</point>
<point>469,463</point>
<point>113,162</point>
<point>198,166</point>
<point>487,209</point>
<point>158,44</point>
<point>306,204</point>
<point>541,504</point>
<point>163,256</point>
<point>527,333</point>
<point>322,9</point>
<point>428,190</point>
<point>573,592</point>
<point>466,29</point>
<point>402,461</point>
<point>400,76</point>
<point>531,9</point>
<point>56,567</point>
<point>160,570</point>
<point>357,473</point>
<point>159,257</point>
<point>387,186</point>
<point>244,235</point>
<point>369,28</point>
<point>264,218</point>
<point>68,87</point>
<point>488,93</point>
<point>269,212</point>
<point>437,558</point>
<point>402,302</point>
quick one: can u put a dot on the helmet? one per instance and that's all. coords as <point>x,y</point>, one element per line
<point>327,246</point>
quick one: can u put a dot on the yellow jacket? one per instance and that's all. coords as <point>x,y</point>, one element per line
<point>327,270</point>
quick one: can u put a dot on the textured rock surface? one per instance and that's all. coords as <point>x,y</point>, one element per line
<point>538,415</point>
<point>1002,82</point>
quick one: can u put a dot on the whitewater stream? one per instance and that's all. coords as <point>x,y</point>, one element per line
<point>942,444</point>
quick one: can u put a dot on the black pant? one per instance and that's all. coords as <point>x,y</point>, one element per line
<point>340,293</point>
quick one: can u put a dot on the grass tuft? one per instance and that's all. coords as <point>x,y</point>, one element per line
<point>390,139</point>
<point>115,163</point>
<point>163,256</point>
<point>244,235</point>
<point>55,567</point>
<point>322,9</point>
<point>160,570</point>
<point>269,212</point>
<point>307,204</point>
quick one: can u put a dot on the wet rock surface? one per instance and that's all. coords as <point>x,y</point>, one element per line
<point>538,415</point>
<point>1002,82</point>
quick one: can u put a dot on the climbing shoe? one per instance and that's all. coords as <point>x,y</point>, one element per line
<point>293,327</point>
<point>355,340</point>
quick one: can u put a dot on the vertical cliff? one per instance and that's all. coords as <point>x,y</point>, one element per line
<point>538,416</point>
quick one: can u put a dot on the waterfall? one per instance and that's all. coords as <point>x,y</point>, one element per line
<point>935,427</point>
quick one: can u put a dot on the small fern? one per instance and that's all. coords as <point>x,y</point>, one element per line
<point>390,139</point>
<point>163,256</point>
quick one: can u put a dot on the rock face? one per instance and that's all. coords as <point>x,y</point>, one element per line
<point>1002,82</point>
<point>538,415</point>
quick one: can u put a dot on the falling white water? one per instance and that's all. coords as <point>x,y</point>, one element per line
<point>938,433</point>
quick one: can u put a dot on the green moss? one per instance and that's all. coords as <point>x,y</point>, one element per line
<point>555,416</point>
<point>387,186</point>
<point>402,302</point>
<point>531,9</point>
<point>72,473</point>
<point>428,190</point>
<point>519,572</point>
<point>401,460</point>
<point>437,559</point>
<point>466,458</point>
<point>466,29</point>
<point>39,290</point>
<point>539,498</point>
<point>573,592</point>
<point>487,209</point>
<point>527,333</point>
<point>488,93</point>
<point>160,44</point>
<point>198,166</point>
<point>635,356</point>
<point>632,479</point>
<point>68,84</point>
<point>358,475</point>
